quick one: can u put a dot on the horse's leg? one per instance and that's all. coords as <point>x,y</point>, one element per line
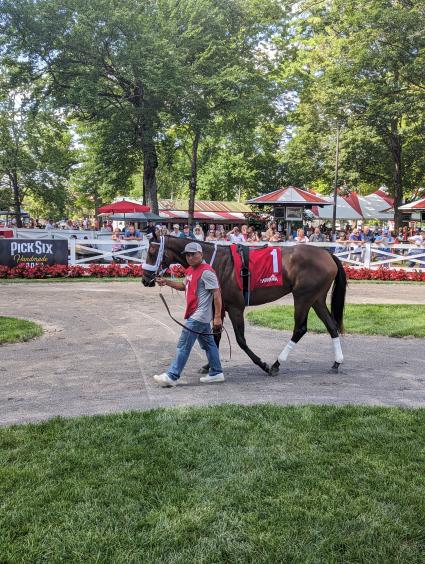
<point>301,309</point>
<point>217,338</point>
<point>238,323</point>
<point>325,316</point>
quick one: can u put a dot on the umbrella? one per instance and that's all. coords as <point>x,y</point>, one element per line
<point>124,206</point>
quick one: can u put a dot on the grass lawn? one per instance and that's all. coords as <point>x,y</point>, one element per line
<point>216,484</point>
<point>13,330</point>
<point>390,320</point>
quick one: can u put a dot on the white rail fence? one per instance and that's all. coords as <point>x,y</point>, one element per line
<point>87,247</point>
<point>88,251</point>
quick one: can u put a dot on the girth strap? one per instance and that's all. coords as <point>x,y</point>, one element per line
<point>243,250</point>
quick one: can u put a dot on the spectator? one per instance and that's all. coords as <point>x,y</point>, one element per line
<point>356,239</point>
<point>244,231</point>
<point>300,237</point>
<point>132,234</point>
<point>175,231</point>
<point>253,236</point>
<point>342,244</point>
<point>105,228</point>
<point>150,230</point>
<point>271,231</point>
<point>117,237</point>
<point>211,235</point>
<point>317,236</point>
<point>221,234</point>
<point>49,225</point>
<point>186,232</point>
<point>198,233</point>
<point>367,235</point>
<point>235,236</point>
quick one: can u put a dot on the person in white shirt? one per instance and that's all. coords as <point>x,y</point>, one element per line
<point>175,231</point>
<point>235,236</point>
<point>198,233</point>
<point>49,225</point>
<point>301,238</point>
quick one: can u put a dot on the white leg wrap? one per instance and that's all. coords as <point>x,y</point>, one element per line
<point>336,343</point>
<point>284,354</point>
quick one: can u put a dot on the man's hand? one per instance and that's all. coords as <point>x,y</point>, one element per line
<point>217,325</point>
<point>161,281</point>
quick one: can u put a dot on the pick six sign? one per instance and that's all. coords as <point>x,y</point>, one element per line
<point>33,252</point>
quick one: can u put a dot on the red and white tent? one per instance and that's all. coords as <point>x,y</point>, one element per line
<point>355,207</point>
<point>344,210</point>
<point>290,196</point>
<point>418,205</point>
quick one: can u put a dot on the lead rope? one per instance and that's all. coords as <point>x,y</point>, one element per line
<point>191,330</point>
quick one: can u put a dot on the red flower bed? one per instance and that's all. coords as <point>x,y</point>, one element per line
<point>63,271</point>
<point>383,274</point>
<point>176,270</point>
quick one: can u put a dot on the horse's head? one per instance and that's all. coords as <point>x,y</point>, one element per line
<point>158,259</point>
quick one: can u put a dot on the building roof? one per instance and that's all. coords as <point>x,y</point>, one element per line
<point>204,206</point>
<point>417,205</point>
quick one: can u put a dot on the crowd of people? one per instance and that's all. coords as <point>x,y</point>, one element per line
<point>351,237</point>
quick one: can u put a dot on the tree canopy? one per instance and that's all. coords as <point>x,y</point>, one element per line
<point>220,98</point>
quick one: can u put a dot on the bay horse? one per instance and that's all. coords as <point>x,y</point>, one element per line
<point>308,273</point>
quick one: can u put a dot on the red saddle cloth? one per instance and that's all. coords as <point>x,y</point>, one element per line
<point>265,266</point>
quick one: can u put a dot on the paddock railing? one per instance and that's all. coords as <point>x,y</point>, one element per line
<point>87,247</point>
<point>84,252</point>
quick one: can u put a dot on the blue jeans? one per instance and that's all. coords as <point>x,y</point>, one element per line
<point>184,346</point>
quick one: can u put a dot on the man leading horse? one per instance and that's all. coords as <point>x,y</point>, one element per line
<point>203,304</point>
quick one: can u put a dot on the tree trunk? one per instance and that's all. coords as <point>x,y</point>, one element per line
<point>396,153</point>
<point>193,177</point>
<point>143,190</point>
<point>16,199</point>
<point>145,132</point>
<point>96,203</point>
<point>150,164</point>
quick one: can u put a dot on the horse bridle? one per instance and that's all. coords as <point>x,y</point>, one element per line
<point>158,268</point>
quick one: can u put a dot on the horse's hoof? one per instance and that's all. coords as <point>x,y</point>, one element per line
<point>335,368</point>
<point>266,368</point>
<point>204,370</point>
<point>274,369</point>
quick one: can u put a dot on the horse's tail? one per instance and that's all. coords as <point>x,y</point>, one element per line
<point>338,294</point>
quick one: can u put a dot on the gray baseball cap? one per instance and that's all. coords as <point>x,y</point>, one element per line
<point>192,248</point>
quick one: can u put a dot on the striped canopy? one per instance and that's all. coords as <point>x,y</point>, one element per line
<point>290,196</point>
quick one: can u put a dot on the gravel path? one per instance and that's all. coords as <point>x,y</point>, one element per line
<point>104,341</point>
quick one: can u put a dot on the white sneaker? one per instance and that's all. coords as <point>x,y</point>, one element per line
<point>211,379</point>
<point>164,380</point>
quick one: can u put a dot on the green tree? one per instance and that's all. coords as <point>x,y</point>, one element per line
<point>361,64</point>
<point>100,56</point>
<point>226,81</point>
<point>36,153</point>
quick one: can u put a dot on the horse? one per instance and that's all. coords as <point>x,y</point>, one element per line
<point>308,273</point>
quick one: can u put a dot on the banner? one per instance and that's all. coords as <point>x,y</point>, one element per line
<point>33,252</point>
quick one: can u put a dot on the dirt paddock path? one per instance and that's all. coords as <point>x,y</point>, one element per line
<point>104,341</point>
